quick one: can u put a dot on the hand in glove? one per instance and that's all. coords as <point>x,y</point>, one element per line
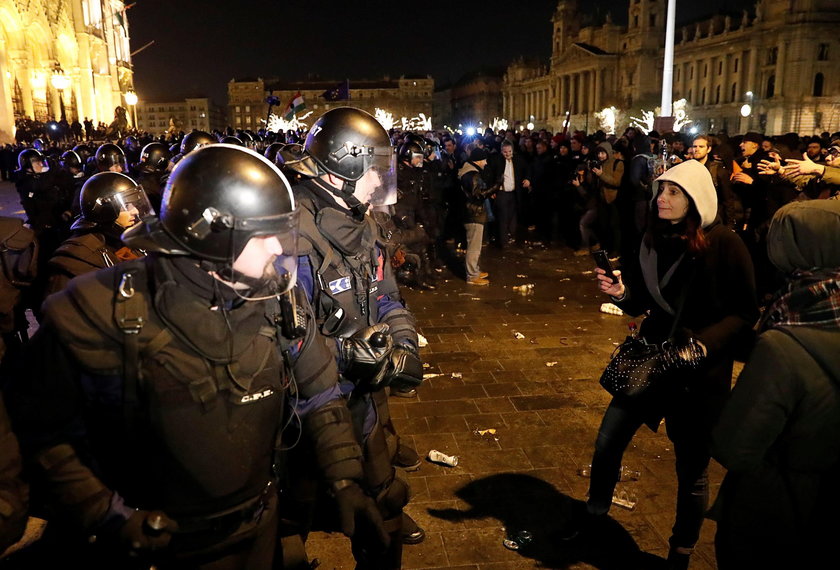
<point>405,369</point>
<point>689,354</point>
<point>365,355</point>
<point>358,513</point>
<point>147,530</point>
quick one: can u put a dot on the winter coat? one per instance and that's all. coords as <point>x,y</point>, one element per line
<point>475,191</point>
<point>779,437</point>
<point>720,300</point>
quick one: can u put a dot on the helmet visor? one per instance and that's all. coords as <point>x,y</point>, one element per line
<point>378,186</point>
<point>133,206</point>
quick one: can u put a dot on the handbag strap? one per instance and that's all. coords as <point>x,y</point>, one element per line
<point>682,298</point>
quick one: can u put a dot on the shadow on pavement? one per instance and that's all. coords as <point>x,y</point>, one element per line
<point>525,503</point>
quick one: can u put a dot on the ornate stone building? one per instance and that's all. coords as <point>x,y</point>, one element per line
<point>70,54</point>
<point>406,96</point>
<point>777,60</point>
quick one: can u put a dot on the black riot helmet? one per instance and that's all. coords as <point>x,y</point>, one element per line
<point>131,142</point>
<point>155,155</point>
<point>109,155</point>
<point>216,199</point>
<point>432,149</point>
<point>293,161</point>
<point>71,159</point>
<point>83,151</point>
<point>27,157</point>
<point>411,150</point>
<point>230,139</point>
<point>349,143</point>
<point>271,151</point>
<point>112,202</point>
<point>196,139</point>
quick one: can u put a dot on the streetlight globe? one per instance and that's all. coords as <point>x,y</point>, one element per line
<point>131,98</point>
<point>746,110</point>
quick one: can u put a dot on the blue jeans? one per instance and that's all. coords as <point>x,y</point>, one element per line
<point>690,436</point>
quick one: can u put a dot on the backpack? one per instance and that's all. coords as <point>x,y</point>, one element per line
<point>18,267</point>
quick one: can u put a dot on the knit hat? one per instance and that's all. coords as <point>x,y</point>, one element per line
<point>803,235</point>
<point>478,154</point>
<point>695,180</point>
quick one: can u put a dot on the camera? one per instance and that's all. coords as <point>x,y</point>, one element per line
<point>593,163</point>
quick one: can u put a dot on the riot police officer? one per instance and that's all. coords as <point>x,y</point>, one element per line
<point>110,158</point>
<point>192,141</point>
<point>45,200</point>
<point>111,202</point>
<point>152,171</point>
<point>152,399</point>
<point>344,270</point>
<point>73,172</point>
<point>409,212</point>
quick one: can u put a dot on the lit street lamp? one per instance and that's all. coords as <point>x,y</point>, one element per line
<point>131,100</point>
<point>60,82</point>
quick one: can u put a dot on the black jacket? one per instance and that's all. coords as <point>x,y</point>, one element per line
<point>720,309</point>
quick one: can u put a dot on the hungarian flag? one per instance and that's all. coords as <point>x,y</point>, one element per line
<point>295,106</point>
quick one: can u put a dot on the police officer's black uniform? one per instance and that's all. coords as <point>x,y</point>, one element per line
<point>353,288</point>
<point>95,242</point>
<point>153,385</point>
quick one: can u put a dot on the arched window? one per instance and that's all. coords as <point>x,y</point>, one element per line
<point>771,86</point>
<point>717,95</point>
<point>703,96</point>
<point>818,85</point>
<point>733,91</point>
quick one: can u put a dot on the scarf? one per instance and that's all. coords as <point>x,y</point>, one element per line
<point>811,298</point>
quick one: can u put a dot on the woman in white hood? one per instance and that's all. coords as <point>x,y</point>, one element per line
<point>687,257</point>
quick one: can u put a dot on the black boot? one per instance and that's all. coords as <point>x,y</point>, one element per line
<point>411,532</point>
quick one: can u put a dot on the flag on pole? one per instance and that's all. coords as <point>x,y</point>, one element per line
<point>295,105</point>
<point>339,92</point>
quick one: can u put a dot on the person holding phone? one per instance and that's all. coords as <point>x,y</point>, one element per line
<point>686,254</point>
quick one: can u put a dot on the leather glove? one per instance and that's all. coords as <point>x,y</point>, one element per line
<point>365,355</point>
<point>687,355</point>
<point>405,369</point>
<point>147,530</point>
<point>358,513</point>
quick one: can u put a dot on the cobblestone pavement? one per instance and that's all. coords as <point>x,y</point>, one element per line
<point>541,395</point>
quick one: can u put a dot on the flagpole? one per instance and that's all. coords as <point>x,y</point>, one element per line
<point>668,67</point>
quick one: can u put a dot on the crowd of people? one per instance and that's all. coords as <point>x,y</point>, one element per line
<point>171,275</point>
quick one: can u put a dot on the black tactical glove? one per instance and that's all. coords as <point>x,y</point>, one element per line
<point>147,531</point>
<point>405,369</point>
<point>358,512</point>
<point>365,355</point>
<point>690,354</point>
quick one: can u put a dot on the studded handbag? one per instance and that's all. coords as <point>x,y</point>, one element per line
<point>637,366</point>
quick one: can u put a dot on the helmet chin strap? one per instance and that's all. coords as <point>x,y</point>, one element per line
<point>347,194</point>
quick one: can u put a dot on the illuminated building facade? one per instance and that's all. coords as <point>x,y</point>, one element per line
<point>70,54</point>
<point>185,115</point>
<point>777,60</point>
<point>406,96</point>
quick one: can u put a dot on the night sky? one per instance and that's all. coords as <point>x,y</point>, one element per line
<point>201,44</point>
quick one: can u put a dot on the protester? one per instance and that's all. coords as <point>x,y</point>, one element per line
<point>779,434</point>
<point>689,265</point>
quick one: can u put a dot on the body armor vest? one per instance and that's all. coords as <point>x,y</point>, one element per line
<point>347,266</point>
<point>206,414</point>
